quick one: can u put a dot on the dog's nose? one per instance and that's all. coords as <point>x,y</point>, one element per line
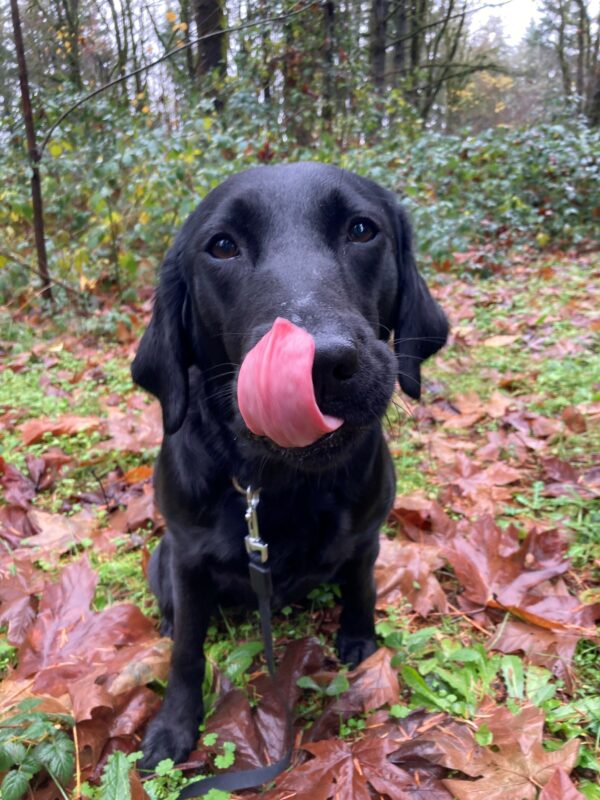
<point>336,360</point>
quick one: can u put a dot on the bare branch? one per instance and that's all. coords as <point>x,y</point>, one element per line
<point>164,57</point>
<point>445,20</point>
<point>24,265</point>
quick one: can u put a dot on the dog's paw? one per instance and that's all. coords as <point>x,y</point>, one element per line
<point>354,649</point>
<point>167,739</point>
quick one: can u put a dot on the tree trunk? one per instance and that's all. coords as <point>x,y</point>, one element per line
<point>401,23</point>
<point>583,24</point>
<point>377,42</point>
<point>212,53</point>
<point>563,58</point>
<point>34,156</point>
<point>328,88</point>
<point>189,55</point>
<point>593,88</point>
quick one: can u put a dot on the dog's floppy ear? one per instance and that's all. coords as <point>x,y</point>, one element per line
<point>421,327</point>
<point>162,360</point>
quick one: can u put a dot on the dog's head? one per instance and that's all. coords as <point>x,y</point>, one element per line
<point>299,274</point>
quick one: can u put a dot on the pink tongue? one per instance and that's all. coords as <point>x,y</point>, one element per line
<point>275,388</point>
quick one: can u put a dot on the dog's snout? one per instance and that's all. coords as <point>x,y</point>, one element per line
<point>336,360</point>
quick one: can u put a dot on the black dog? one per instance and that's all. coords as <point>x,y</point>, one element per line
<point>329,254</point>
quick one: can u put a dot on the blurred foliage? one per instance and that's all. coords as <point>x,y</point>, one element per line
<point>124,169</point>
<point>113,202</point>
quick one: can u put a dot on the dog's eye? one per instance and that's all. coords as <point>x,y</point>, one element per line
<point>223,247</point>
<point>362,230</point>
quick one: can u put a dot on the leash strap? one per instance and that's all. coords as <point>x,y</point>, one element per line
<point>261,582</point>
<point>260,578</point>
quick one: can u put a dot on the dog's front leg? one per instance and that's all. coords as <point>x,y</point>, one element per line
<point>174,730</point>
<point>356,636</point>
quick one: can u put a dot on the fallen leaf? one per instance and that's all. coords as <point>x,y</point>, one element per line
<point>19,490</point>
<point>438,740</point>
<point>492,563</point>
<point>560,787</point>
<point>422,519</point>
<point>150,664</point>
<point>138,474</point>
<point>15,524</point>
<point>373,683</point>
<point>404,571</point>
<point>574,419</point>
<point>139,510</point>
<point>56,534</point>
<point>261,733</point>
<point>516,774</point>
<point>19,583</point>
<point>70,649</point>
<point>345,771</point>
<point>133,431</point>
<point>499,341</point>
<point>34,430</point>
<point>544,648</point>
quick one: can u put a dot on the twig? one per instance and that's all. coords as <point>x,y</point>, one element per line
<point>164,57</point>
<point>102,489</point>
<point>77,764</point>
<point>472,622</point>
<point>67,287</point>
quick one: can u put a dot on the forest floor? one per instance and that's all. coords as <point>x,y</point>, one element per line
<point>486,681</point>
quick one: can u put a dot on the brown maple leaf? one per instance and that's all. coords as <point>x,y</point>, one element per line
<point>560,787</point>
<point>134,432</point>
<point>516,774</point>
<point>373,683</point>
<point>491,563</point>
<point>33,430</point>
<point>346,771</point>
<point>404,571</point>
<point>518,765</point>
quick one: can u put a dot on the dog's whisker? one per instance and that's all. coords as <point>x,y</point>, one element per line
<point>227,364</point>
<point>436,339</point>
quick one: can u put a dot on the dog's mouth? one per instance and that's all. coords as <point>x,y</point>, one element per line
<point>323,450</point>
<point>275,390</point>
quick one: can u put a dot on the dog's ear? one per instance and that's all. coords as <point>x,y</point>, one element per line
<point>162,360</point>
<point>421,327</point>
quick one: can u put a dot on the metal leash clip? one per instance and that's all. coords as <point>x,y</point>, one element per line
<point>254,544</point>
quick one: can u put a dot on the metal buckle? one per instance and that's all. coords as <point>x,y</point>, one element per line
<point>257,546</point>
<point>254,544</point>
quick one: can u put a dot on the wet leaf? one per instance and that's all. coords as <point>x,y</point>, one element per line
<point>134,432</point>
<point>560,787</point>
<point>404,571</point>
<point>34,430</point>
<point>491,563</point>
<point>373,683</point>
<point>516,770</point>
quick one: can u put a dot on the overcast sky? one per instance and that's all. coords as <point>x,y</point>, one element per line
<point>516,16</point>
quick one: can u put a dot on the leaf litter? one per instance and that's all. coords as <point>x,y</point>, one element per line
<point>467,545</point>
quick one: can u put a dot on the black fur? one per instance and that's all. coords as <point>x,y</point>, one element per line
<point>322,505</point>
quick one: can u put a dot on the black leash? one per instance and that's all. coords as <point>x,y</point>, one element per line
<point>260,579</point>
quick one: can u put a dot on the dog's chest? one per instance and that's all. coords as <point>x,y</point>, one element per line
<point>309,539</point>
